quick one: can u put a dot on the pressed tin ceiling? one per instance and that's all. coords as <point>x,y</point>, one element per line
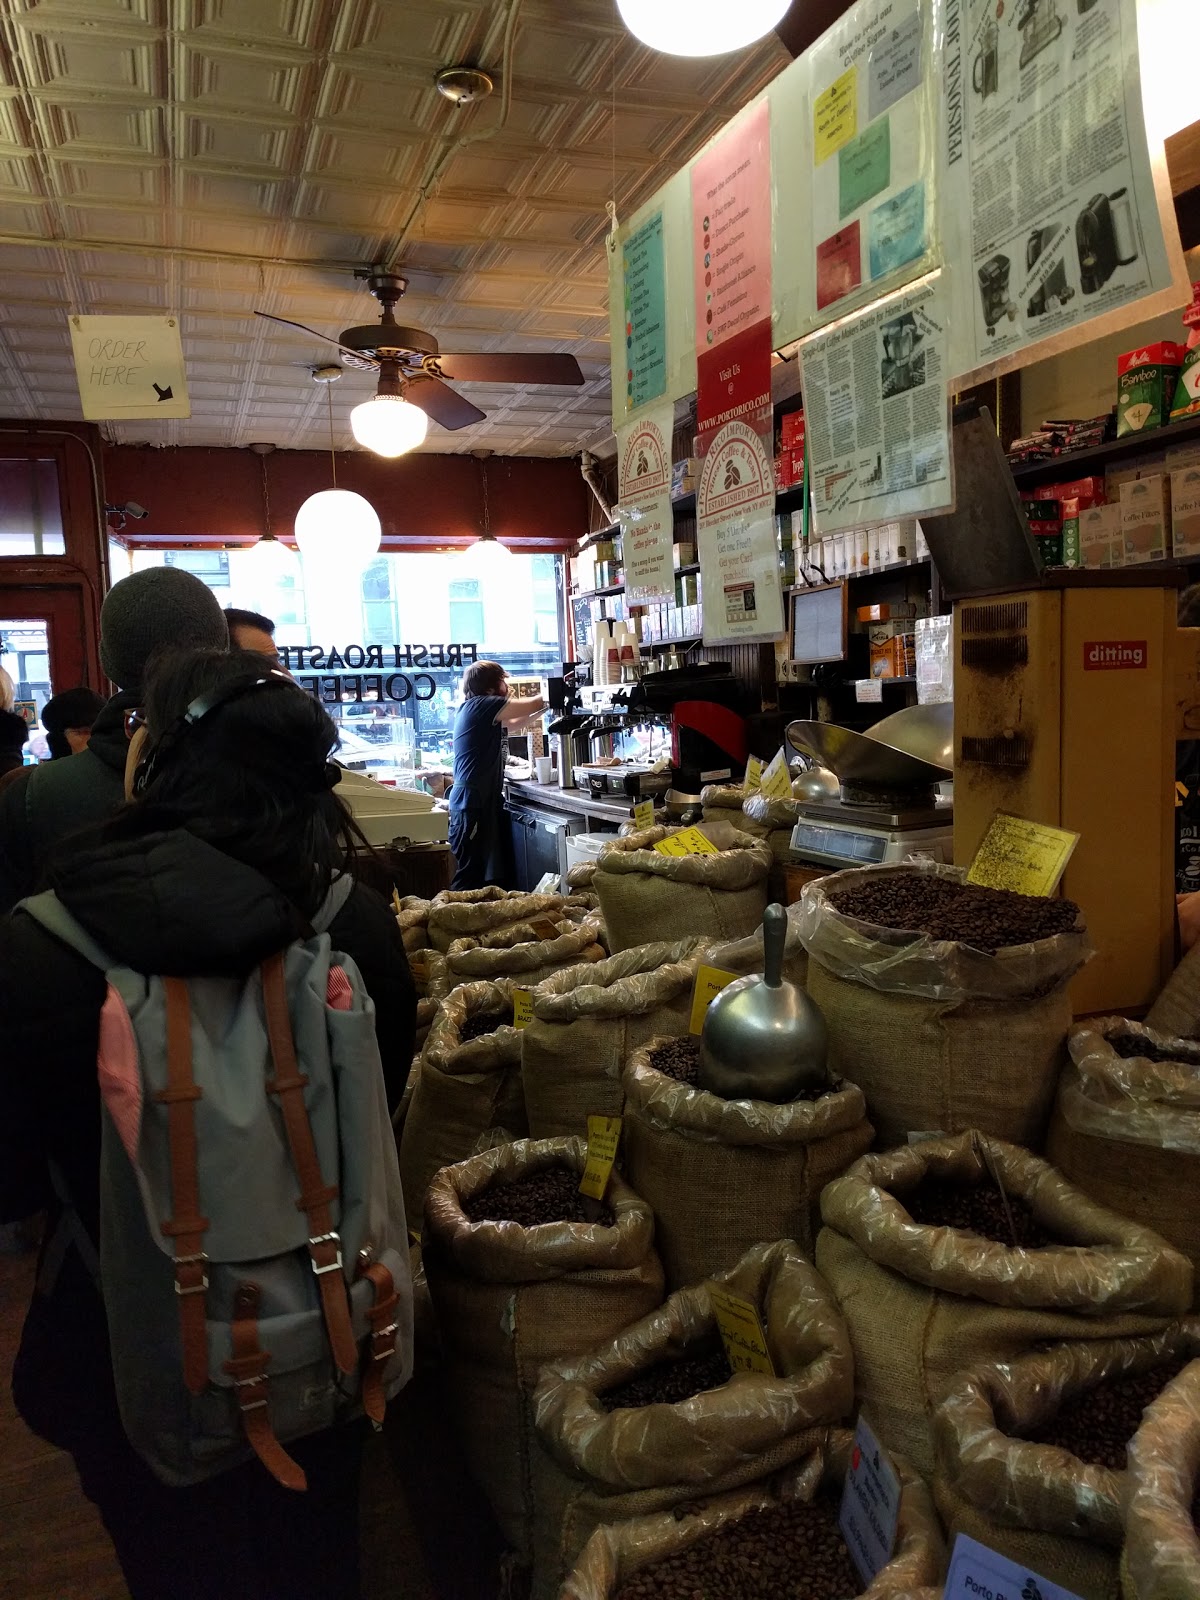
<point>209,157</point>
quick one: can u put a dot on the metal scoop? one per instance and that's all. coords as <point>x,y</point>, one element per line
<point>763,1038</point>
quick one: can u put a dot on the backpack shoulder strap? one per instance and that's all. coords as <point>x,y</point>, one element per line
<point>48,910</point>
<point>340,891</point>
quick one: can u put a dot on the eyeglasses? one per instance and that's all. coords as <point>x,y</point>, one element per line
<point>133,721</point>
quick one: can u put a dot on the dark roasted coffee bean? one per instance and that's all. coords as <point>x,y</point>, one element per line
<point>1096,1424</point>
<point>965,913</point>
<point>785,1552</point>
<point>974,1208</point>
<point>670,1382</point>
<point>485,1022</point>
<point>551,1195</point>
<point>680,1059</point>
<point>1128,1045</point>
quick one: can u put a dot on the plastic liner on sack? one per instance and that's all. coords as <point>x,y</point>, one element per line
<point>924,1303</point>
<point>448,922</point>
<point>412,919</point>
<point>725,802</point>
<point>777,818</point>
<point>1133,1099</point>
<point>462,1088</point>
<point>427,1011</point>
<point>613,1554</point>
<point>985,1456</point>
<point>525,961</point>
<point>1161,1557</point>
<point>723,1175</point>
<point>745,956</point>
<point>935,969</point>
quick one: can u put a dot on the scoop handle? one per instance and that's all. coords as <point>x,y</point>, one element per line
<point>774,937</point>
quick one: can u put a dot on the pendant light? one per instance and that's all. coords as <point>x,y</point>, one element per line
<point>268,560</point>
<point>336,527</point>
<point>487,557</point>
<point>389,424</point>
<point>700,27</point>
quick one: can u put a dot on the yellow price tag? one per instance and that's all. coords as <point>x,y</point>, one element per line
<point>396,906</point>
<point>643,814</point>
<point>709,983</point>
<point>741,1331</point>
<point>522,1001</point>
<point>604,1135</point>
<point>776,780</point>
<point>687,842</point>
<point>835,116</point>
<point>1027,857</point>
<point>754,771</point>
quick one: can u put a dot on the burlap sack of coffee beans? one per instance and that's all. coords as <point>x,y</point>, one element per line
<point>608,1453</point>
<point>926,1300</point>
<point>468,1080</point>
<point>725,802</point>
<point>776,818</point>
<point>1161,1556</point>
<point>511,1298</point>
<point>939,1034</point>
<point>769,1543</point>
<point>412,918</point>
<point>525,953</point>
<point>645,895</point>
<point>1126,1125</point>
<point>456,919</point>
<point>1031,1453</point>
<point>722,1175</point>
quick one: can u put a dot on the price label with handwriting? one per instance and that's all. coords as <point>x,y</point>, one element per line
<point>741,1331</point>
<point>1026,857</point>
<point>870,1504</point>
<point>522,1001</point>
<point>687,842</point>
<point>754,772</point>
<point>776,781</point>
<point>604,1135</point>
<point>643,814</point>
<point>709,983</point>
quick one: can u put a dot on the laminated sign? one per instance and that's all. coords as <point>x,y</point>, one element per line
<point>709,983</point>
<point>977,1573</point>
<point>741,1331</point>
<point>129,367</point>
<point>604,1135</point>
<point>1026,857</point>
<point>870,1504</point>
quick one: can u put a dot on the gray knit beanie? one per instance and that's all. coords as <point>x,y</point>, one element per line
<point>150,609</point>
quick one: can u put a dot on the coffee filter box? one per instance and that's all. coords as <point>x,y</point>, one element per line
<point>1146,518</point>
<point>1185,512</point>
<point>1101,543</point>
<point>1146,380</point>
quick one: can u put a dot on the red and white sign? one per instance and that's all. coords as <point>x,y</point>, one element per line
<point>644,504</point>
<point>1115,655</point>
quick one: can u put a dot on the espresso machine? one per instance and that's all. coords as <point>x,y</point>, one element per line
<point>1105,239</point>
<point>702,705</point>
<point>985,71</point>
<point>1055,290</point>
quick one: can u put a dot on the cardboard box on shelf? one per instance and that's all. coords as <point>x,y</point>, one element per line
<point>1092,490</point>
<point>881,632</point>
<point>791,431</point>
<point>1146,518</point>
<point>1101,542</point>
<point>1185,513</point>
<point>1146,380</point>
<point>888,611</point>
<point>683,553</point>
<point>894,658</point>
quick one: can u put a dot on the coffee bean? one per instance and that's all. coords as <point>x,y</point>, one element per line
<point>1096,1424</point>
<point>670,1382</point>
<point>974,1208</point>
<point>484,1022</point>
<point>680,1059</point>
<point>784,1552</point>
<point>1128,1045</point>
<point>965,913</point>
<point>551,1195</point>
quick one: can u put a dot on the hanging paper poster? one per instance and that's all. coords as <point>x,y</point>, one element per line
<point>129,367</point>
<point>645,299</point>
<point>876,413</point>
<point>874,137</point>
<point>1050,200</point>
<point>644,504</point>
<point>739,565</point>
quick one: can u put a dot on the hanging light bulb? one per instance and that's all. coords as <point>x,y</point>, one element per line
<point>700,27</point>
<point>389,424</point>
<point>336,528</point>
<point>269,561</point>
<point>487,556</point>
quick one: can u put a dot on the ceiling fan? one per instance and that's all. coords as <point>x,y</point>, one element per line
<point>412,368</point>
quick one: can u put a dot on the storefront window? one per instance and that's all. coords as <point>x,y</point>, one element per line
<point>30,511</point>
<point>25,656</point>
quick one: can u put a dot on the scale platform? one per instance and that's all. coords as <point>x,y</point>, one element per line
<point>840,833</point>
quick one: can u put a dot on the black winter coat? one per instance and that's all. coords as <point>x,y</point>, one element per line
<point>169,904</point>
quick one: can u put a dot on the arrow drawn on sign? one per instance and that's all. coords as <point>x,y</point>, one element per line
<point>163,394</point>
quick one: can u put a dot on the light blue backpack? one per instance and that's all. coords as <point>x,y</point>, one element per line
<point>253,1251</point>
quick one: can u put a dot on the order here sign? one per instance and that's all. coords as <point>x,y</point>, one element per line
<point>129,367</point>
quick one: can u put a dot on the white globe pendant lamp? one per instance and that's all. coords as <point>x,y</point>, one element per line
<point>700,27</point>
<point>389,425</point>
<point>487,557</point>
<point>269,562</point>
<point>336,529</point>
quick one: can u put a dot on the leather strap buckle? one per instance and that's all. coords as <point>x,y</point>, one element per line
<point>193,1267</point>
<point>314,1243</point>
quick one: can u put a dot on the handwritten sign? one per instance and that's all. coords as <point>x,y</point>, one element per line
<point>870,1504</point>
<point>709,983</point>
<point>741,1331</point>
<point>643,814</point>
<point>604,1135</point>
<point>976,1571</point>
<point>1026,857</point>
<point>754,771</point>
<point>776,781</point>
<point>129,367</point>
<point>687,842</point>
<point>522,1001</point>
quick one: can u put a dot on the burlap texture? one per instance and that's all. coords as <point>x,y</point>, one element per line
<point>525,960</point>
<point>595,1466</point>
<point>647,896</point>
<point>984,1455</point>
<point>1176,1012</point>
<point>723,1175</point>
<point>461,1090</point>
<point>412,918</point>
<point>614,1553</point>
<point>586,1021</point>
<point>451,920</point>
<point>1161,1558</point>
<point>924,1304</point>
<point>1089,1570</point>
<point>509,1300</point>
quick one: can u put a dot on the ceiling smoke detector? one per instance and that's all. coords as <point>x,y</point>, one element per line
<point>464,84</point>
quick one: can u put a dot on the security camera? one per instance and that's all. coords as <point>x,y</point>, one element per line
<point>132,509</point>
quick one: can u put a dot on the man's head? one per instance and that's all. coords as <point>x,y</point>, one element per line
<point>151,610</point>
<point>68,718</point>
<point>484,678</point>
<point>250,630</point>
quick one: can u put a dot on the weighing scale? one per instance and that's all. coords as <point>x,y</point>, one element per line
<point>854,833</point>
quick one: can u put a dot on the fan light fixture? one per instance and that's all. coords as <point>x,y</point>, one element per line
<point>389,425</point>
<point>336,527</point>
<point>700,27</point>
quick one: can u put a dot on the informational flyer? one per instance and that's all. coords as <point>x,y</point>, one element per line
<point>878,424</point>
<point>644,277</point>
<point>1050,205</point>
<point>739,564</point>
<point>874,122</point>
<point>644,504</point>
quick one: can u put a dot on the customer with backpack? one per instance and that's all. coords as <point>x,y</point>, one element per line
<point>193,1083</point>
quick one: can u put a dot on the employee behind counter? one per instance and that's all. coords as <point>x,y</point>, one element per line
<point>477,798</point>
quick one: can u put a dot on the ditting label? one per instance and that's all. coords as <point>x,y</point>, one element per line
<point>1114,655</point>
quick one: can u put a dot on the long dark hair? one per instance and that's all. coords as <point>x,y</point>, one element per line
<point>250,776</point>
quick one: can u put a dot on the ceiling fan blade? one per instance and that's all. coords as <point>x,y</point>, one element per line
<point>360,360</point>
<point>509,366</point>
<point>437,400</point>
